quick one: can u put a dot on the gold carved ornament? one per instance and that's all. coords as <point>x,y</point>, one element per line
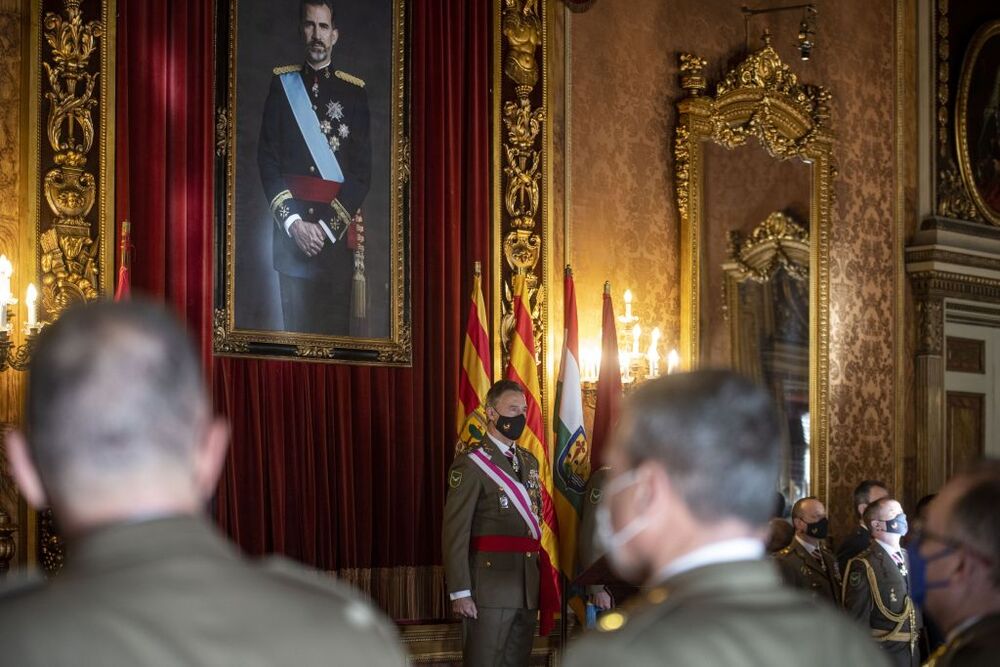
<point>760,98</point>
<point>69,260</point>
<point>522,165</point>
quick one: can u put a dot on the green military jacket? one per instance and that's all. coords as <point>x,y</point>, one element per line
<point>975,646</point>
<point>173,592</point>
<point>477,506</point>
<point>876,594</point>
<point>820,578</point>
<point>725,614</point>
<point>588,551</point>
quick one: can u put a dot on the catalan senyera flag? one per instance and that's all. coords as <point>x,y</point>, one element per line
<point>522,369</point>
<point>572,453</point>
<point>474,381</point>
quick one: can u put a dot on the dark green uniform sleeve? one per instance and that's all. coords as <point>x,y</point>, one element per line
<point>857,592</point>
<point>459,510</point>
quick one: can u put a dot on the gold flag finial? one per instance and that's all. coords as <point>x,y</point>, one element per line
<point>569,270</point>
<point>477,268</point>
<point>607,287</point>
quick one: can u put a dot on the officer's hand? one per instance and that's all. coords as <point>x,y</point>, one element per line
<point>465,607</point>
<point>308,237</point>
<point>602,600</point>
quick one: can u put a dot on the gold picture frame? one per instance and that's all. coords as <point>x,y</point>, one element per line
<point>979,88</point>
<point>387,342</point>
<point>759,99</point>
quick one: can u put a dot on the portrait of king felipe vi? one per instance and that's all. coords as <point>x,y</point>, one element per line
<point>315,161</point>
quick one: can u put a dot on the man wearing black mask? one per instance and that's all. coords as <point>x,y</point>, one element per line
<point>491,533</point>
<point>806,563</point>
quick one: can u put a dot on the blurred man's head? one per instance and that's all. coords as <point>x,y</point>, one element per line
<point>780,534</point>
<point>886,520</point>
<point>809,519</point>
<point>957,561</point>
<point>695,460</point>
<point>117,419</point>
<point>868,492</point>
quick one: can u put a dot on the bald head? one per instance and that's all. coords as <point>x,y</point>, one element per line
<point>116,408</point>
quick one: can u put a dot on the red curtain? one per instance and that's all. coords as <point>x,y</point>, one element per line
<point>334,465</point>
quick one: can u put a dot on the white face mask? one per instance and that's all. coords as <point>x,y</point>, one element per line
<point>610,541</point>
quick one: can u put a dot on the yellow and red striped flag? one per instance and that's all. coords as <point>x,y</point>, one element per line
<point>474,381</point>
<point>524,371</point>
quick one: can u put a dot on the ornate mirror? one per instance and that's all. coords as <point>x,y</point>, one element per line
<point>754,171</point>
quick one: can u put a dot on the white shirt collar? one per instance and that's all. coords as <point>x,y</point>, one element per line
<point>504,448</point>
<point>726,551</point>
<point>808,547</point>
<point>891,550</point>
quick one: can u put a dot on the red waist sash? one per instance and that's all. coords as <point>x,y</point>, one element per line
<point>505,544</point>
<point>310,188</point>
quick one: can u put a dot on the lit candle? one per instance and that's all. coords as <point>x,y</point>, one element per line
<point>673,361</point>
<point>31,301</point>
<point>628,304</point>
<point>623,362</point>
<point>636,332</point>
<point>653,355</point>
<point>6,271</point>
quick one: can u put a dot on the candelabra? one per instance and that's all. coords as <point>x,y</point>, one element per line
<point>11,355</point>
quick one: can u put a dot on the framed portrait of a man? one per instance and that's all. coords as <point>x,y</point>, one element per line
<point>312,195</point>
<point>977,126</point>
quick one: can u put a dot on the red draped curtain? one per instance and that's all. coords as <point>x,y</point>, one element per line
<point>334,465</point>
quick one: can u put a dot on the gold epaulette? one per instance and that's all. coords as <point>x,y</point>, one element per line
<point>784,552</point>
<point>349,78</point>
<point>285,69</point>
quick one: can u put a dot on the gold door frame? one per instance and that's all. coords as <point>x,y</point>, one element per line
<point>759,98</point>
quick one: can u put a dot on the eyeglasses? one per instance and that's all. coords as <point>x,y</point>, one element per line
<point>921,535</point>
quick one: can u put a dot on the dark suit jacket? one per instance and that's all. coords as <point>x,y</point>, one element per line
<point>173,592</point>
<point>857,542</point>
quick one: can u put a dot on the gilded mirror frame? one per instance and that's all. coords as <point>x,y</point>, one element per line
<point>760,98</point>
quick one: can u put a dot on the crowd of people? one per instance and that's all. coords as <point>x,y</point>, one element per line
<point>120,441</point>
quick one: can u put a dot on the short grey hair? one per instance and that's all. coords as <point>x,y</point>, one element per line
<point>975,518</point>
<point>717,436</point>
<point>112,388</point>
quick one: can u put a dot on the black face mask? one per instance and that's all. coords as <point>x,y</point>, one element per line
<point>511,427</point>
<point>819,529</point>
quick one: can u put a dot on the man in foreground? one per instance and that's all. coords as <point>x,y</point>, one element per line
<point>120,442</point>
<point>956,565</point>
<point>877,589</point>
<point>695,462</point>
<point>806,563</point>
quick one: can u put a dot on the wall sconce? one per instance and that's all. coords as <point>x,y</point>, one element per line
<point>807,27</point>
<point>19,356</point>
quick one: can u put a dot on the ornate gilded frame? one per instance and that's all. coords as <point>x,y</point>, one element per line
<point>760,98</point>
<point>228,340</point>
<point>986,33</point>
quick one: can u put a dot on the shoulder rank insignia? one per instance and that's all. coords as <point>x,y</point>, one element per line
<point>285,69</point>
<point>855,579</point>
<point>350,78</point>
<point>611,621</point>
<point>595,496</point>
<point>455,480</point>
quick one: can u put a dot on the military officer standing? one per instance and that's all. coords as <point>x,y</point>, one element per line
<point>876,585</point>
<point>314,156</point>
<point>694,460</point>
<point>806,563</point>
<point>491,536</point>
<point>865,493</point>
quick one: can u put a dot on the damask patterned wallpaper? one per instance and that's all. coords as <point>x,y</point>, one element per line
<point>623,220</point>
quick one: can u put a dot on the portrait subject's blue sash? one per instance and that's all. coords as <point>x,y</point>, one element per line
<point>305,117</point>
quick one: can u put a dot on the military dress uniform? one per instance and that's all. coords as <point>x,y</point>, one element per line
<point>854,544</point>
<point>488,551</point>
<point>735,613</point>
<point>975,645</point>
<point>316,291</point>
<point>876,594</point>
<point>815,573</point>
<point>172,591</point>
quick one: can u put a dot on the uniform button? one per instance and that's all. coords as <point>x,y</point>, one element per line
<point>311,212</point>
<point>529,555</point>
<point>489,564</point>
<point>312,170</point>
<point>314,107</point>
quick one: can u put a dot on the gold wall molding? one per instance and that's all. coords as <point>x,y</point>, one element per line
<point>762,99</point>
<point>522,171</point>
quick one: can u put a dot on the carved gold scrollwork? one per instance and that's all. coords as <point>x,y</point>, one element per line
<point>69,262</point>
<point>777,235</point>
<point>522,164</point>
<point>221,131</point>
